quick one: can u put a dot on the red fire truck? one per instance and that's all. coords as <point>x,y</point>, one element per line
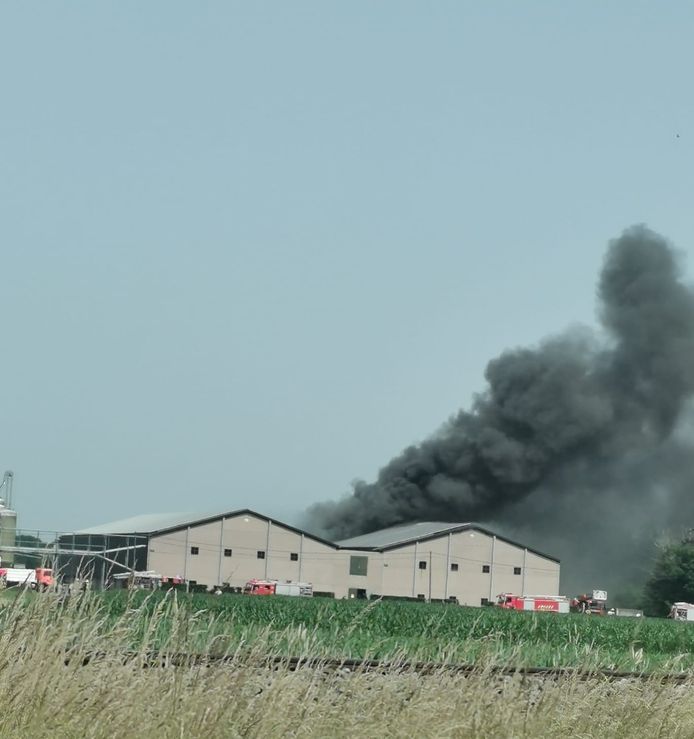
<point>550,603</point>
<point>274,587</point>
<point>594,603</point>
<point>38,578</point>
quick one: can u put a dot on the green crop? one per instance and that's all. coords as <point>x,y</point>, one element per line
<point>420,631</point>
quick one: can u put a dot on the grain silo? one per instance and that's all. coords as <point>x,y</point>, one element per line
<point>8,521</point>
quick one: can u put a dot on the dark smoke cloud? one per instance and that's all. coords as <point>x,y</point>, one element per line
<point>581,424</point>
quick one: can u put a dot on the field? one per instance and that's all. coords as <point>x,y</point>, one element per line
<point>426,632</point>
<point>83,667</point>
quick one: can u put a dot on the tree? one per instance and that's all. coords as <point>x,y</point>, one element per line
<point>629,596</point>
<point>672,578</point>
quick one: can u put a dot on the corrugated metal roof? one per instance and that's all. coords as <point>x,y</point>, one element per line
<point>399,534</point>
<point>396,536</point>
<point>151,523</point>
<point>146,523</point>
<point>377,540</point>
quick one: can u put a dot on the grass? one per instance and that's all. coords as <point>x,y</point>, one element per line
<point>46,696</point>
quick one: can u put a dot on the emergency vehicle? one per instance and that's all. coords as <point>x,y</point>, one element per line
<point>549,603</point>
<point>594,603</point>
<point>682,612</point>
<point>40,577</point>
<point>274,587</point>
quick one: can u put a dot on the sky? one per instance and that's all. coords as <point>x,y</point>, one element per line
<point>250,251</point>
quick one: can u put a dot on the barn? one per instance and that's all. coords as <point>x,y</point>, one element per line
<point>226,548</point>
<point>464,562</point>
<point>440,561</point>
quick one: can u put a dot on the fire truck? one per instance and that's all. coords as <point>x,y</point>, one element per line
<point>594,604</point>
<point>41,577</point>
<point>274,587</point>
<point>682,612</point>
<point>549,603</point>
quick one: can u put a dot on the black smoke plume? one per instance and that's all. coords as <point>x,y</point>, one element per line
<point>583,436</point>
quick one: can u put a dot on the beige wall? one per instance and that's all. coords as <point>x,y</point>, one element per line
<point>471,551</point>
<point>245,535</point>
<point>396,572</point>
<point>542,576</point>
<point>325,568</point>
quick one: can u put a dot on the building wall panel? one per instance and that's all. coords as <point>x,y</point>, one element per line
<point>471,551</point>
<point>454,564</point>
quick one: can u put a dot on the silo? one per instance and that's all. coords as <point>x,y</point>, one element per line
<point>8,534</point>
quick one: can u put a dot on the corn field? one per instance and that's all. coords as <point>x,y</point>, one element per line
<point>424,632</point>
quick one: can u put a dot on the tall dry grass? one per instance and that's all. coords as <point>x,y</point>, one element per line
<point>73,670</point>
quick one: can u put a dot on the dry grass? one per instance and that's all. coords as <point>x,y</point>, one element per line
<point>110,697</point>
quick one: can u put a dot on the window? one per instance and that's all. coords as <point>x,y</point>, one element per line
<point>422,564</point>
<point>516,570</point>
<point>227,552</point>
<point>454,567</point>
<point>484,602</point>
<point>294,557</point>
<point>358,565</point>
<point>195,550</point>
<point>261,554</point>
<point>485,568</point>
<point>421,596</point>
